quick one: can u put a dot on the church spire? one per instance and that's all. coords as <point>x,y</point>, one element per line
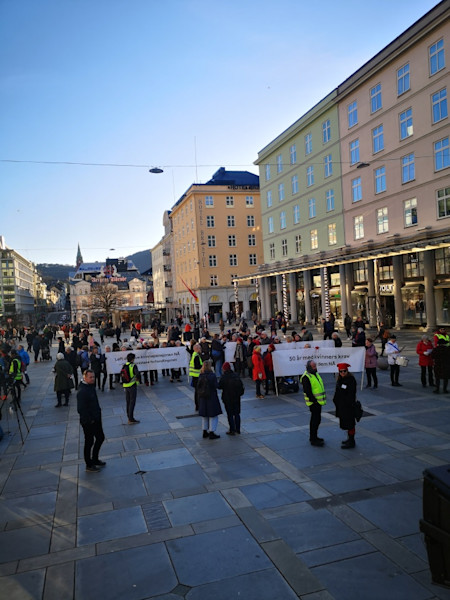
<point>79,257</point>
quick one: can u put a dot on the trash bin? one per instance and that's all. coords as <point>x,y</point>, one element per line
<point>435,524</point>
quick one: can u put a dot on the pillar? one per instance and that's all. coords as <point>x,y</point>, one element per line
<point>429,268</point>
<point>279,293</point>
<point>349,287</point>
<point>372,296</point>
<point>265,298</point>
<point>398,279</point>
<point>293,296</point>
<point>343,288</point>
<point>308,311</point>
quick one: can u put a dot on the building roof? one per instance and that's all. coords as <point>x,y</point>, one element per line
<point>224,177</point>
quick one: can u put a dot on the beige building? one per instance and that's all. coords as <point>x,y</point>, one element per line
<point>217,236</point>
<point>162,271</point>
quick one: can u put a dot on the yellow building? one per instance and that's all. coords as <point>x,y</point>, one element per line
<point>217,236</point>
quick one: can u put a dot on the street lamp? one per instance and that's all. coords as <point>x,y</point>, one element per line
<point>155,170</point>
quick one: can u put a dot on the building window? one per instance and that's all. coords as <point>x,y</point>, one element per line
<point>294,184</point>
<point>312,208</point>
<point>209,221</point>
<point>284,248</point>
<point>269,198</point>
<point>377,139</point>
<point>437,57</point>
<point>272,250</point>
<point>380,180</point>
<point>280,192</point>
<point>443,203</point>
<point>441,154</point>
<point>250,221</point>
<point>212,260</point>
<point>326,131</point>
<point>408,168</point>
<point>406,124</point>
<point>249,201</point>
<point>298,243</point>
<point>232,241</point>
<point>252,239</point>
<point>231,221</point>
<point>279,163</point>
<point>209,201</point>
<point>439,105</point>
<point>332,236</point>
<point>270,224</point>
<point>252,260</point>
<point>283,219</point>
<point>310,176</point>
<point>314,239</point>
<point>329,194</point>
<point>267,169</point>
<point>410,212</point>
<point>356,189</point>
<point>296,214</point>
<point>308,143</point>
<point>358,227</point>
<point>211,241</point>
<point>375,98</point>
<point>232,277</point>
<point>213,281</point>
<point>354,152</point>
<point>233,260</point>
<point>293,154</point>
<point>352,114</point>
<point>442,261</point>
<point>382,220</point>
<point>403,84</point>
<point>229,201</point>
<point>328,166</point>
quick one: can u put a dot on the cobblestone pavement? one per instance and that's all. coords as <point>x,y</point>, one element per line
<point>260,516</point>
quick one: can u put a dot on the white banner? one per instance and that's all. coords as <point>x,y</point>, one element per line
<point>150,359</point>
<point>230,347</point>
<point>293,362</point>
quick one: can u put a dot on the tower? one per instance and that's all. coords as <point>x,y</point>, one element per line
<point>79,259</point>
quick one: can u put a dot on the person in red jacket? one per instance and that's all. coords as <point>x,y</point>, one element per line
<point>268,368</point>
<point>424,349</point>
<point>259,373</point>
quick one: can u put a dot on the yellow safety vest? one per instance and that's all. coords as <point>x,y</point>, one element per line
<point>18,373</point>
<point>446,338</point>
<point>133,379</point>
<point>317,387</point>
<point>193,372</point>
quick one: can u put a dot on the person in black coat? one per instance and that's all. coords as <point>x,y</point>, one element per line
<point>344,400</point>
<point>91,421</point>
<point>71,356</point>
<point>232,389</point>
<point>208,401</point>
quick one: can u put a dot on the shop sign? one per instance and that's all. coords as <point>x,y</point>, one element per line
<point>386,288</point>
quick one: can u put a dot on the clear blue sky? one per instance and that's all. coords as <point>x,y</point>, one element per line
<point>136,82</point>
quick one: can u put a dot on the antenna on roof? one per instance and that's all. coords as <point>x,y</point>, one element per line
<point>195,158</point>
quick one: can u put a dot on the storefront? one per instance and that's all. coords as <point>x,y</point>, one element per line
<point>359,296</point>
<point>215,308</point>
<point>387,304</point>
<point>413,299</point>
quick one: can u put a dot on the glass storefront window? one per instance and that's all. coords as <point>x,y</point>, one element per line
<point>413,265</point>
<point>385,269</point>
<point>360,271</point>
<point>414,311</point>
<point>442,261</point>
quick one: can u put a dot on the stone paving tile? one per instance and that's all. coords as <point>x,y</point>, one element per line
<point>23,586</point>
<point>101,488</point>
<point>323,556</point>
<point>33,507</point>
<point>29,482</point>
<point>110,525</point>
<point>164,460</point>
<point>24,542</point>
<point>183,478</point>
<point>338,480</point>
<point>274,493</point>
<point>194,509</point>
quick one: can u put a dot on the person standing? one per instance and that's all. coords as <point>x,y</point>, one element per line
<point>71,356</point>
<point>370,363</point>
<point>15,374</point>
<point>91,422</point>
<point>268,368</point>
<point>130,387</point>
<point>392,351</point>
<point>208,401</point>
<point>25,358</point>
<point>63,379</point>
<point>424,349</point>
<point>195,365</point>
<point>348,325</point>
<point>232,389</point>
<point>259,372</point>
<point>315,398</point>
<point>344,400</point>
<point>441,358</point>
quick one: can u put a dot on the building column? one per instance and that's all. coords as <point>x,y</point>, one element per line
<point>429,268</point>
<point>308,311</point>
<point>398,279</point>
<point>371,294</point>
<point>279,293</point>
<point>343,288</point>
<point>293,296</point>
<point>265,298</point>
<point>349,287</point>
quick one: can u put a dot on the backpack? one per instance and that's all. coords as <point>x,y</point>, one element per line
<point>125,374</point>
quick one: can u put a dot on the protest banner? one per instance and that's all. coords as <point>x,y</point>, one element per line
<point>293,362</point>
<point>148,360</point>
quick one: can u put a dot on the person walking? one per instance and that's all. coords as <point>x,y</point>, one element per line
<point>424,349</point>
<point>91,422</point>
<point>441,358</point>
<point>344,399</point>
<point>36,343</point>
<point>259,373</point>
<point>130,387</point>
<point>63,379</point>
<point>315,398</point>
<point>370,363</point>
<point>392,351</point>
<point>208,401</point>
<point>232,389</point>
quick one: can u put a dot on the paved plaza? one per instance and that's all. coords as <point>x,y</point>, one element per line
<point>260,516</point>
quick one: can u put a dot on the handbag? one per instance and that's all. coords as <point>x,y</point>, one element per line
<point>358,410</point>
<point>71,383</point>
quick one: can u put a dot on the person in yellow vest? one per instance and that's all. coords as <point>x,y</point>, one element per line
<point>315,398</point>
<point>15,373</point>
<point>441,334</point>
<point>131,388</point>
<point>195,365</point>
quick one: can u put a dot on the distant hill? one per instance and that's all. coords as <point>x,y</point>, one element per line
<point>51,273</point>
<point>142,260</point>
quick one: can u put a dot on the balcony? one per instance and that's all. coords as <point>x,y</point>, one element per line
<point>169,300</point>
<point>167,268</point>
<point>166,252</point>
<point>168,284</point>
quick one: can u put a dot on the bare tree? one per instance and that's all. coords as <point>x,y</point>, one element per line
<point>105,297</point>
